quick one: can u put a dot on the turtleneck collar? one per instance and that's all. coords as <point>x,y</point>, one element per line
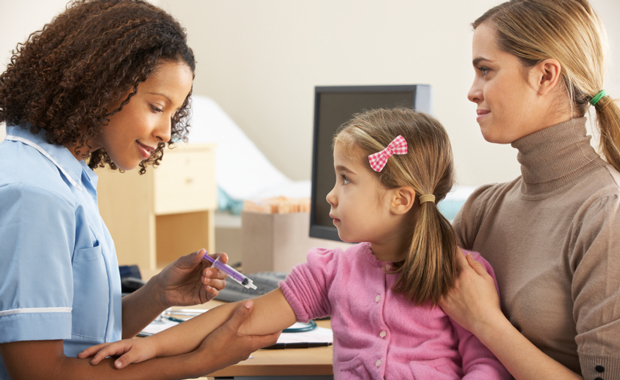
<point>554,156</point>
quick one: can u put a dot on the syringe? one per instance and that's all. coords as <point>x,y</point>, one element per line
<point>216,263</point>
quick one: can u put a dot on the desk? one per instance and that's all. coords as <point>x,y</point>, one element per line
<point>284,364</point>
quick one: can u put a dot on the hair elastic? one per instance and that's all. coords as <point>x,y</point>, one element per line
<point>427,198</point>
<point>598,97</point>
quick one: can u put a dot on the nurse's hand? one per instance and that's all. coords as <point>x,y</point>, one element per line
<point>190,280</point>
<point>225,346</point>
<point>473,302</point>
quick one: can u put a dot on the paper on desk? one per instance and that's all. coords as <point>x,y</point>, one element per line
<point>316,335</point>
<point>157,326</point>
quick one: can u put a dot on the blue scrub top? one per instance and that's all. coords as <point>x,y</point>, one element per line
<point>59,276</point>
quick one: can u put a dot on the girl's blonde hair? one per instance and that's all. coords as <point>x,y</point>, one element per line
<point>572,33</point>
<point>430,268</point>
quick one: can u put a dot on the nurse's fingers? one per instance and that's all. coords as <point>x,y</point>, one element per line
<point>90,351</point>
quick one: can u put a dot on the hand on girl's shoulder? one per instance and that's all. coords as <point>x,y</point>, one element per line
<point>479,264</point>
<point>473,258</point>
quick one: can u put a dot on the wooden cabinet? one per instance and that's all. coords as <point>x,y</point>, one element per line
<point>165,213</point>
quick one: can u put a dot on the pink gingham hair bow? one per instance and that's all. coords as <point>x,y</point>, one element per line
<point>379,159</point>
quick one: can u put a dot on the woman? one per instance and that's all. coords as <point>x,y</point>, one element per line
<point>551,234</point>
<point>106,82</point>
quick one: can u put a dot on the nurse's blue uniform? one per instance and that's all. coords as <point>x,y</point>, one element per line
<point>59,276</point>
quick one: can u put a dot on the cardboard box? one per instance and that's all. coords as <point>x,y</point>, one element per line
<point>277,242</point>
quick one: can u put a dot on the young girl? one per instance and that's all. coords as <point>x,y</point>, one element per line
<point>392,166</point>
<point>105,83</point>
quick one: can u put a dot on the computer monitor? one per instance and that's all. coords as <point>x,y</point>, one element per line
<point>333,106</point>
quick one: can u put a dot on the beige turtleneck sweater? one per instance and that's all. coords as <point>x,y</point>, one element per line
<point>553,237</point>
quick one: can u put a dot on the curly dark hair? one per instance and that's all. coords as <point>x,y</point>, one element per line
<point>65,77</point>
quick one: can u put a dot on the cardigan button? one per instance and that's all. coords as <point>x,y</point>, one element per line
<point>382,334</point>
<point>378,362</point>
<point>599,369</point>
<point>377,298</point>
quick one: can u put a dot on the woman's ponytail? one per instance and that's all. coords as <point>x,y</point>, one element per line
<point>608,116</point>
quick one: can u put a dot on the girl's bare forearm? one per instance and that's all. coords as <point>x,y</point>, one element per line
<point>187,336</point>
<point>271,313</point>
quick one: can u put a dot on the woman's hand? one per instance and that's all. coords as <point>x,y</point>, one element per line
<point>473,302</point>
<point>190,280</point>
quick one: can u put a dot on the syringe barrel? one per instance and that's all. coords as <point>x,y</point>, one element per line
<point>230,271</point>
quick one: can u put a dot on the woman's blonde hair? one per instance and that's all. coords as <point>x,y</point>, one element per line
<point>430,268</point>
<point>572,33</point>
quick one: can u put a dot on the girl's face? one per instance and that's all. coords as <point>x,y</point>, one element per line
<point>503,90</point>
<point>360,204</point>
<point>133,133</point>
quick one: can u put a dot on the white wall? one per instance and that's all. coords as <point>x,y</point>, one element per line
<point>17,20</point>
<point>261,60</point>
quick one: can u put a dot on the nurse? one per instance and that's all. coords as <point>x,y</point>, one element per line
<point>106,83</point>
<point>552,234</point>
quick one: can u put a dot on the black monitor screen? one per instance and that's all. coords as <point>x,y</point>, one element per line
<point>333,106</point>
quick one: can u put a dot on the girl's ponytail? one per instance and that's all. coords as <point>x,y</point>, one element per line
<point>608,116</point>
<point>431,266</point>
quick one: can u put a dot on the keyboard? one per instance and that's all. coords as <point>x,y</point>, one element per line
<point>264,281</point>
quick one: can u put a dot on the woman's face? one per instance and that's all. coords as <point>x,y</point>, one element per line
<point>503,90</point>
<point>132,134</point>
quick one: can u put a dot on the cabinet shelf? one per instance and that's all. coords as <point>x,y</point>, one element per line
<point>165,213</point>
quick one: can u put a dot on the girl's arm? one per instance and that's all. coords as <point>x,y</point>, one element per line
<point>272,313</point>
<point>179,284</point>
<point>46,359</point>
<point>473,303</point>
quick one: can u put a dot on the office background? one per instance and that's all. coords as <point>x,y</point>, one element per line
<point>260,60</point>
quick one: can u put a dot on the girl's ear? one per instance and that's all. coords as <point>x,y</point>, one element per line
<point>546,75</point>
<point>403,199</point>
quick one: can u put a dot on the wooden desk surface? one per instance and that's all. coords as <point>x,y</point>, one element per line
<point>284,362</point>
<point>280,362</point>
